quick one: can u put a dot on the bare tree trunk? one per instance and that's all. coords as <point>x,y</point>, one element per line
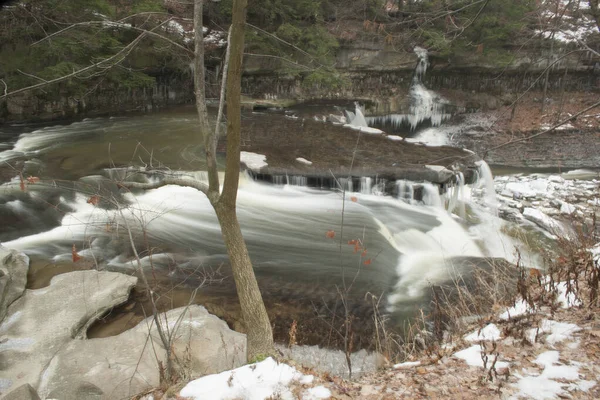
<point>595,11</point>
<point>210,141</point>
<point>258,326</point>
<point>259,332</point>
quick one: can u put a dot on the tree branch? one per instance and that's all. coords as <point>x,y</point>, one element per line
<point>168,180</point>
<point>124,50</point>
<point>110,24</point>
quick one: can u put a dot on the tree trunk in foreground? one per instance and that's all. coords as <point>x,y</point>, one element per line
<point>258,326</point>
<point>259,332</point>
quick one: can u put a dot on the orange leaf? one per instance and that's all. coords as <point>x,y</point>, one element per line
<point>352,242</point>
<point>94,200</point>
<point>367,261</point>
<point>535,273</point>
<point>33,179</point>
<point>330,234</point>
<point>356,248</point>
<point>76,257</point>
<point>21,183</point>
<point>364,253</point>
<point>354,199</point>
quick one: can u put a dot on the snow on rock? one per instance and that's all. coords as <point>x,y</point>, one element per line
<point>567,208</point>
<point>489,333</point>
<point>253,160</point>
<point>364,129</point>
<point>258,381</point>
<point>557,331</point>
<point>303,161</point>
<point>472,356</point>
<point>395,138</point>
<point>546,385</point>
<point>316,393</point>
<point>542,220</point>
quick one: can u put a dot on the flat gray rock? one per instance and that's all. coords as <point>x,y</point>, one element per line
<point>41,322</point>
<point>127,364</point>
<point>23,392</point>
<point>14,267</point>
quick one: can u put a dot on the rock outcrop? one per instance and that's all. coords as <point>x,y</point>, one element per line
<point>41,322</point>
<point>13,277</point>
<point>126,364</point>
<point>44,344</point>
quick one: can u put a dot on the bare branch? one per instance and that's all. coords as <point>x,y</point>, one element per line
<point>110,24</point>
<point>284,42</point>
<point>168,180</point>
<point>31,76</point>
<point>124,50</point>
<point>5,86</point>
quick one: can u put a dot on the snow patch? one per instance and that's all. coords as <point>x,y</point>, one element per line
<point>253,160</point>
<point>395,138</point>
<point>489,333</point>
<point>472,356</point>
<point>407,364</point>
<point>316,393</point>
<point>251,382</point>
<point>557,331</point>
<point>521,307</point>
<point>304,161</point>
<point>545,385</point>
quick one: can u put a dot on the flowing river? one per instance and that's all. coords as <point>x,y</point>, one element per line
<point>297,236</point>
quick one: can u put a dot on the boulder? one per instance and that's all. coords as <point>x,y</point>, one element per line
<point>14,267</point>
<point>76,391</point>
<point>23,392</point>
<point>204,341</point>
<point>41,322</point>
<point>127,364</point>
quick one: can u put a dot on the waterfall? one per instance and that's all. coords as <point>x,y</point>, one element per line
<point>485,182</point>
<point>366,185</point>
<point>423,62</point>
<point>431,195</point>
<point>425,104</point>
<point>405,190</point>
<point>356,118</point>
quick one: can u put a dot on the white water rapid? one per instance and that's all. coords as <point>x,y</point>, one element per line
<point>410,244</point>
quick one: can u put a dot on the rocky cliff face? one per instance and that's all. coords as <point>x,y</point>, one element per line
<point>167,91</point>
<point>373,71</point>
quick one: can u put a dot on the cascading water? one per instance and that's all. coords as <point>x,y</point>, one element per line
<point>425,105</point>
<point>412,241</point>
